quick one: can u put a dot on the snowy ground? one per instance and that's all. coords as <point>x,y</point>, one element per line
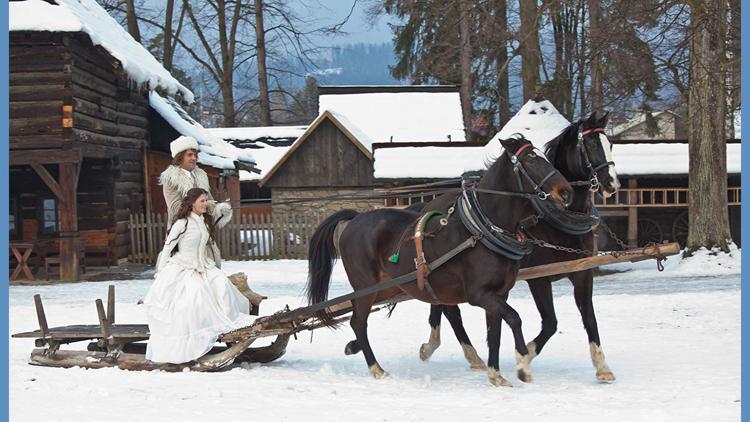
<point>672,339</point>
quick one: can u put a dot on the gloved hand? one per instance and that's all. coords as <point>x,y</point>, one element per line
<point>224,208</point>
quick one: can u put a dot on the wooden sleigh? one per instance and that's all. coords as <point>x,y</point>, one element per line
<point>121,345</point>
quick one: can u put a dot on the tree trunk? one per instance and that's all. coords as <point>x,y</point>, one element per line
<point>260,41</point>
<point>708,213</point>
<point>465,59</point>
<point>595,93</point>
<point>132,20</point>
<point>503,79</point>
<point>168,51</point>
<point>734,69</point>
<point>529,48</point>
<point>581,79</point>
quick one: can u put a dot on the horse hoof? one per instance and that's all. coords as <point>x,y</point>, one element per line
<point>377,372</point>
<point>352,348</point>
<point>496,379</point>
<point>478,366</point>
<point>523,375</point>
<point>605,376</point>
<point>426,351</point>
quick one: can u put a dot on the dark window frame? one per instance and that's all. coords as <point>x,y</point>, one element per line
<point>41,217</point>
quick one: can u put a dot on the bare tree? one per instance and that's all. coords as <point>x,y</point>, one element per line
<point>708,214</point>
<point>260,41</point>
<point>465,25</point>
<point>595,92</point>
<point>133,29</point>
<point>529,47</point>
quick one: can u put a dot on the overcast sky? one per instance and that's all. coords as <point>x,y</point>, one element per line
<point>358,28</point>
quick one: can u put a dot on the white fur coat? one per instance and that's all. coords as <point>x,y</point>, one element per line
<point>175,184</point>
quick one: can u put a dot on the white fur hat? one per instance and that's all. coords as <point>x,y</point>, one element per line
<point>181,144</point>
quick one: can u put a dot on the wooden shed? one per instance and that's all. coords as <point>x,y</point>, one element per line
<point>331,158</point>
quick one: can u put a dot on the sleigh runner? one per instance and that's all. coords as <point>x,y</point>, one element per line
<point>121,345</point>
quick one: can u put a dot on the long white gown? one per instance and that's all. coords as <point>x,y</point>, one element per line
<point>191,301</point>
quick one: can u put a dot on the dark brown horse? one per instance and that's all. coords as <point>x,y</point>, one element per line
<point>477,275</point>
<point>582,153</point>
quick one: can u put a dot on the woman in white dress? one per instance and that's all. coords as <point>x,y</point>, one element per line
<point>191,301</point>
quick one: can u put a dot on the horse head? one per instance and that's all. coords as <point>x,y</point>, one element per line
<point>534,173</point>
<point>596,152</point>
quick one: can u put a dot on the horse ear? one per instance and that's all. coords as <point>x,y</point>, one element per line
<point>514,142</point>
<point>590,121</point>
<point>602,122</point>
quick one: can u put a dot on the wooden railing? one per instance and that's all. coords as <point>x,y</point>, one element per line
<point>246,237</point>
<point>625,197</point>
<point>656,198</point>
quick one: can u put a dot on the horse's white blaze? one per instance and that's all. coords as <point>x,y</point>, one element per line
<point>607,147</point>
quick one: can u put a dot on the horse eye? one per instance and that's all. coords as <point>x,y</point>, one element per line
<point>531,154</point>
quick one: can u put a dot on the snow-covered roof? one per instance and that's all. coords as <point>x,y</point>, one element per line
<point>214,152</point>
<point>638,119</point>
<point>265,159</point>
<point>268,144</point>
<point>540,123</point>
<point>252,136</point>
<point>400,116</point>
<point>88,17</point>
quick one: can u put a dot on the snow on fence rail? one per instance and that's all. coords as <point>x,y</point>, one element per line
<point>245,237</point>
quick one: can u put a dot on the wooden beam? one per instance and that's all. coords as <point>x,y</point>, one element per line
<point>49,181</point>
<point>45,156</point>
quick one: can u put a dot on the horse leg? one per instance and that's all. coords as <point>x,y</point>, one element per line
<point>360,313</point>
<point>497,310</point>
<point>541,291</point>
<point>511,317</point>
<point>427,349</point>
<point>453,314</point>
<point>583,286</point>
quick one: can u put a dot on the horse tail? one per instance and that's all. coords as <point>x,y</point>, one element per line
<point>322,255</point>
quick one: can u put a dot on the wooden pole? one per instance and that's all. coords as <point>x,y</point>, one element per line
<point>43,328</point>
<point>111,304</point>
<point>632,214</point>
<point>69,236</point>
<point>103,322</point>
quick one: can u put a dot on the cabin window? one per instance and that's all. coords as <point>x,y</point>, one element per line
<point>49,223</point>
<point>13,218</point>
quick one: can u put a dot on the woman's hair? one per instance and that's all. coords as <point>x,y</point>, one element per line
<point>187,207</point>
<point>177,160</point>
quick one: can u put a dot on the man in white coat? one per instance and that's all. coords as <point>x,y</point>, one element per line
<point>184,174</point>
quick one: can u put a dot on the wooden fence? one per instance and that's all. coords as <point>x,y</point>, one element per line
<point>245,237</point>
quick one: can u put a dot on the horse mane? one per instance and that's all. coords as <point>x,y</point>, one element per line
<point>553,147</point>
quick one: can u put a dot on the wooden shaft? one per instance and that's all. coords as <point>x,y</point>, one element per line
<point>596,261</point>
<point>111,304</point>
<point>43,328</point>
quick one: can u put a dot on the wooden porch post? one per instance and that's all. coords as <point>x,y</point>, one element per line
<point>632,214</point>
<point>69,236</point>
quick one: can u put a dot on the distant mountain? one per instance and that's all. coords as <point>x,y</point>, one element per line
<point>358,64</point>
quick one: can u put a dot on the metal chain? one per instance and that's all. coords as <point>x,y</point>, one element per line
<point>541,243</point>
<point>612,235</point>
<point>538,242</point>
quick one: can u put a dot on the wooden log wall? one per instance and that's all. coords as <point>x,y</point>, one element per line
<point>40,83</point>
